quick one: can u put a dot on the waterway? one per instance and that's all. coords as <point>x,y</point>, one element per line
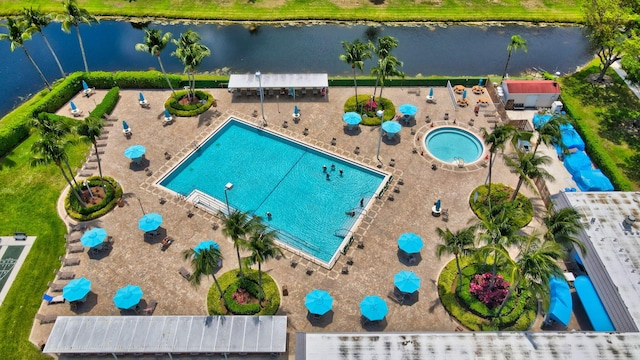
<point>425,50</point>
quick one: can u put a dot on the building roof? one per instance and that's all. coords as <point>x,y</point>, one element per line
<point>278,81</point>
<point>613,250</point>
<point>532,86</point>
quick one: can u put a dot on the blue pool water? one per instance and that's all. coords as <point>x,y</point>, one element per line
<point>285,178</point>
<point>448,144</point>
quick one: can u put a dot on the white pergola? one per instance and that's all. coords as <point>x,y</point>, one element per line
<point>278,81</point>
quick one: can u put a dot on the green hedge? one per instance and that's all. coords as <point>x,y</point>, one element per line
<point>108,103</point>
<point>270,288</point>
<point>242,309</point>
<point>189,110</point>
<point>113,194</point>
<point>369,118</point>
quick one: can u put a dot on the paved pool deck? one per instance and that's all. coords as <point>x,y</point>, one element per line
<point>136,261</point>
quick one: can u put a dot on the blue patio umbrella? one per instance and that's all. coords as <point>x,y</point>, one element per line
<point>128,297</point>
<point>135,151</point>
<point>352,118</point>
<point>438,204</point>
<point>167,114</point>
<point>318,302</point>
<point>408,109</point>
<point>150,222</point>
<point>141,97</point>
<point>391,127</point>
<point>76,289</point>
<point>93,237</point>
<point>410,243</point>
<point>84,85</point>
<point>373,308</point>
<point>296,111</point>
<point>73,106</point>
<point>464,94</point>
<point>125,125</point>
<point>205,245</point>
<point>406,281</point>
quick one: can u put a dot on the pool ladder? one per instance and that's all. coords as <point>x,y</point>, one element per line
<point>458,161</point>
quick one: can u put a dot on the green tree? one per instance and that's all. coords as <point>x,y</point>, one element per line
<point>461,242</point>
<point>382,49</point>
<point>204,262</point>
<point>549,133</point>
<point>17,34</point>
<point>517,43</point>
<point>58,130</point>
<point>263,247</point>
<point>36,21</point>
<point>154,43</point>
<point>237,225</point>
<point>191,53</point>
<point>74,16</point>
<point>529,166</point>
<point>562,227</point>
<point>606,24</point>
<point>90,129</point>
<point>355,54</point>
<point>496,140</point>
<point>386,67</point>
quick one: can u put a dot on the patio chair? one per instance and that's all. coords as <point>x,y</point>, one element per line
<point>74,248</point>
<point>55,287</point>
<point>69,261</point>
<point>46,319</point>
<point>349,260</point>
<point>53,299</point>
<point>166,242</point>
<point>184,273</point>
<point>65,275</point>
<point>74,237</point>
<point>345,269</point>
<point>294,263</point>
<point>309,270</point>
<point>397,298</point>
<point>151,307</point>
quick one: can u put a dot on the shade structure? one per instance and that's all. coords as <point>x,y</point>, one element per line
<point>150,222</point>
<point>128,297</point>
<point>408,109</point>
<point>318,302</point>
<point>205,245</point>
<point>410,243</point>
<point>93,237</point>
<point>84,85</point>
<point>373,308</point>
<point>76,289</point>
<point>141,97</point>
<point>125,125</point>
<point>73,106</point>
<point>406,281</point>
<point>135,151</point>
<point>391,127</point>
<point>352,118</point>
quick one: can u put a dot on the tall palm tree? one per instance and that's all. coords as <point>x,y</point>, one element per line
<point>91,128</point>
<point>496,140</point>
<point>262,245</point>
<point>461,242</point>
<point>36,21</point>
<point>517,43</point>
<point>191,53</point>
<point>74,16</point>
<point>17,34</point>
<point>382,49</point>
<point>49,149</point>
<point>535,265</point>
<point>57,130</point>
<point>386,67</point>
<point>355,54</point>
<point>204,262</point>
<point>529,167</point>
<point>237,225</point>
<point>549,132</point>
<point>562,227</point>
<point>154,43</point>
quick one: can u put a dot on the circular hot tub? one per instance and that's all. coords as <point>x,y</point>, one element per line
<point>452,144</point>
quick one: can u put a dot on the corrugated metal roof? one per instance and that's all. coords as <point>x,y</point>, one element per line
<point>532,87</point>
<point>277,81</point>
<point>167,334</point>
<point>468,345</point>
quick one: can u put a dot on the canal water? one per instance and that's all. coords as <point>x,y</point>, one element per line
<point>425,50</point>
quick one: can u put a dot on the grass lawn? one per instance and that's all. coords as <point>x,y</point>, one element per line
<point>568,11</point>
<point>28,196</point>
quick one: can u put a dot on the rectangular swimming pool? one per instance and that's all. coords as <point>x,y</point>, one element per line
<point>309,205</point>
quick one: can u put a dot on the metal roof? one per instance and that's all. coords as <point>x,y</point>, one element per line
<point>613,250</point>
<point>167,334</point>
<point>468,345</point>
<point>273,81</point>
<point>532,86</point>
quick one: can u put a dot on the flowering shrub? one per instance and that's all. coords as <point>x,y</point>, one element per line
<point>480,287</point>
<point>241,296</point>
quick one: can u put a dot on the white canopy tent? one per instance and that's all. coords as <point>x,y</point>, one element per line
<point>278,81</point>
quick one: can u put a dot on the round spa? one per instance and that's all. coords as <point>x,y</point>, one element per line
<point>453,145</point>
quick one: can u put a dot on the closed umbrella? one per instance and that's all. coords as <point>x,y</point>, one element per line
<point>125,126</point>
<point>73,106</point>
<point>373,308</point>
<point>93,237</point>
<point>85,87</point>
<point>464,94</point>
<point>318,302</point>
<point>410,243</point>
<point>141,97</point>
<point>167,114</point>
<point>76,289</point>
<point>135,151</point>
<point>205,245</point>
<point>296,111</point>
<point>150,222</point>
<point>438,204</point>
<point>406,281</point>
<point>480,82</point>
<point>431,92</point>
<point>128,297</point>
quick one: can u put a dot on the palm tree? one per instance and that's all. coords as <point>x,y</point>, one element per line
<point>549,133</point>
<point>562,226</point>
<point>17,34</point>
<point>355,54</point>
<point>461,242</point>
<point>36,21</point>
<point>237,225</point>
<point>191,53</point>
<point>496,140</point>
<point>49,149</point>
<point>386,67</point>
<point>154,43</point>
<point>74,16</point>
<point>529,167</point>
<point>57,130</point>
<point>382,49</point>
<point>517,43</point>
<point>91,128</point>
<point>535,265</point>
<point>263,248</point>
<point>204,262</point>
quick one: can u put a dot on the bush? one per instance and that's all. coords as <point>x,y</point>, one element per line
<point>189,110</point>
<point>113,192</point>
<point>234,306</point>
<point>270,288</point>
<point>492,296</point>
<point>369,116</point>
<point>108,103</point>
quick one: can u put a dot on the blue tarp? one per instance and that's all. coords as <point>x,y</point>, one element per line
<point>592,304</point>
<point>576,162</point>
<point>560,306</point>
<point>539,120</point>
<point>592,180</point>
<point>571,139</point>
